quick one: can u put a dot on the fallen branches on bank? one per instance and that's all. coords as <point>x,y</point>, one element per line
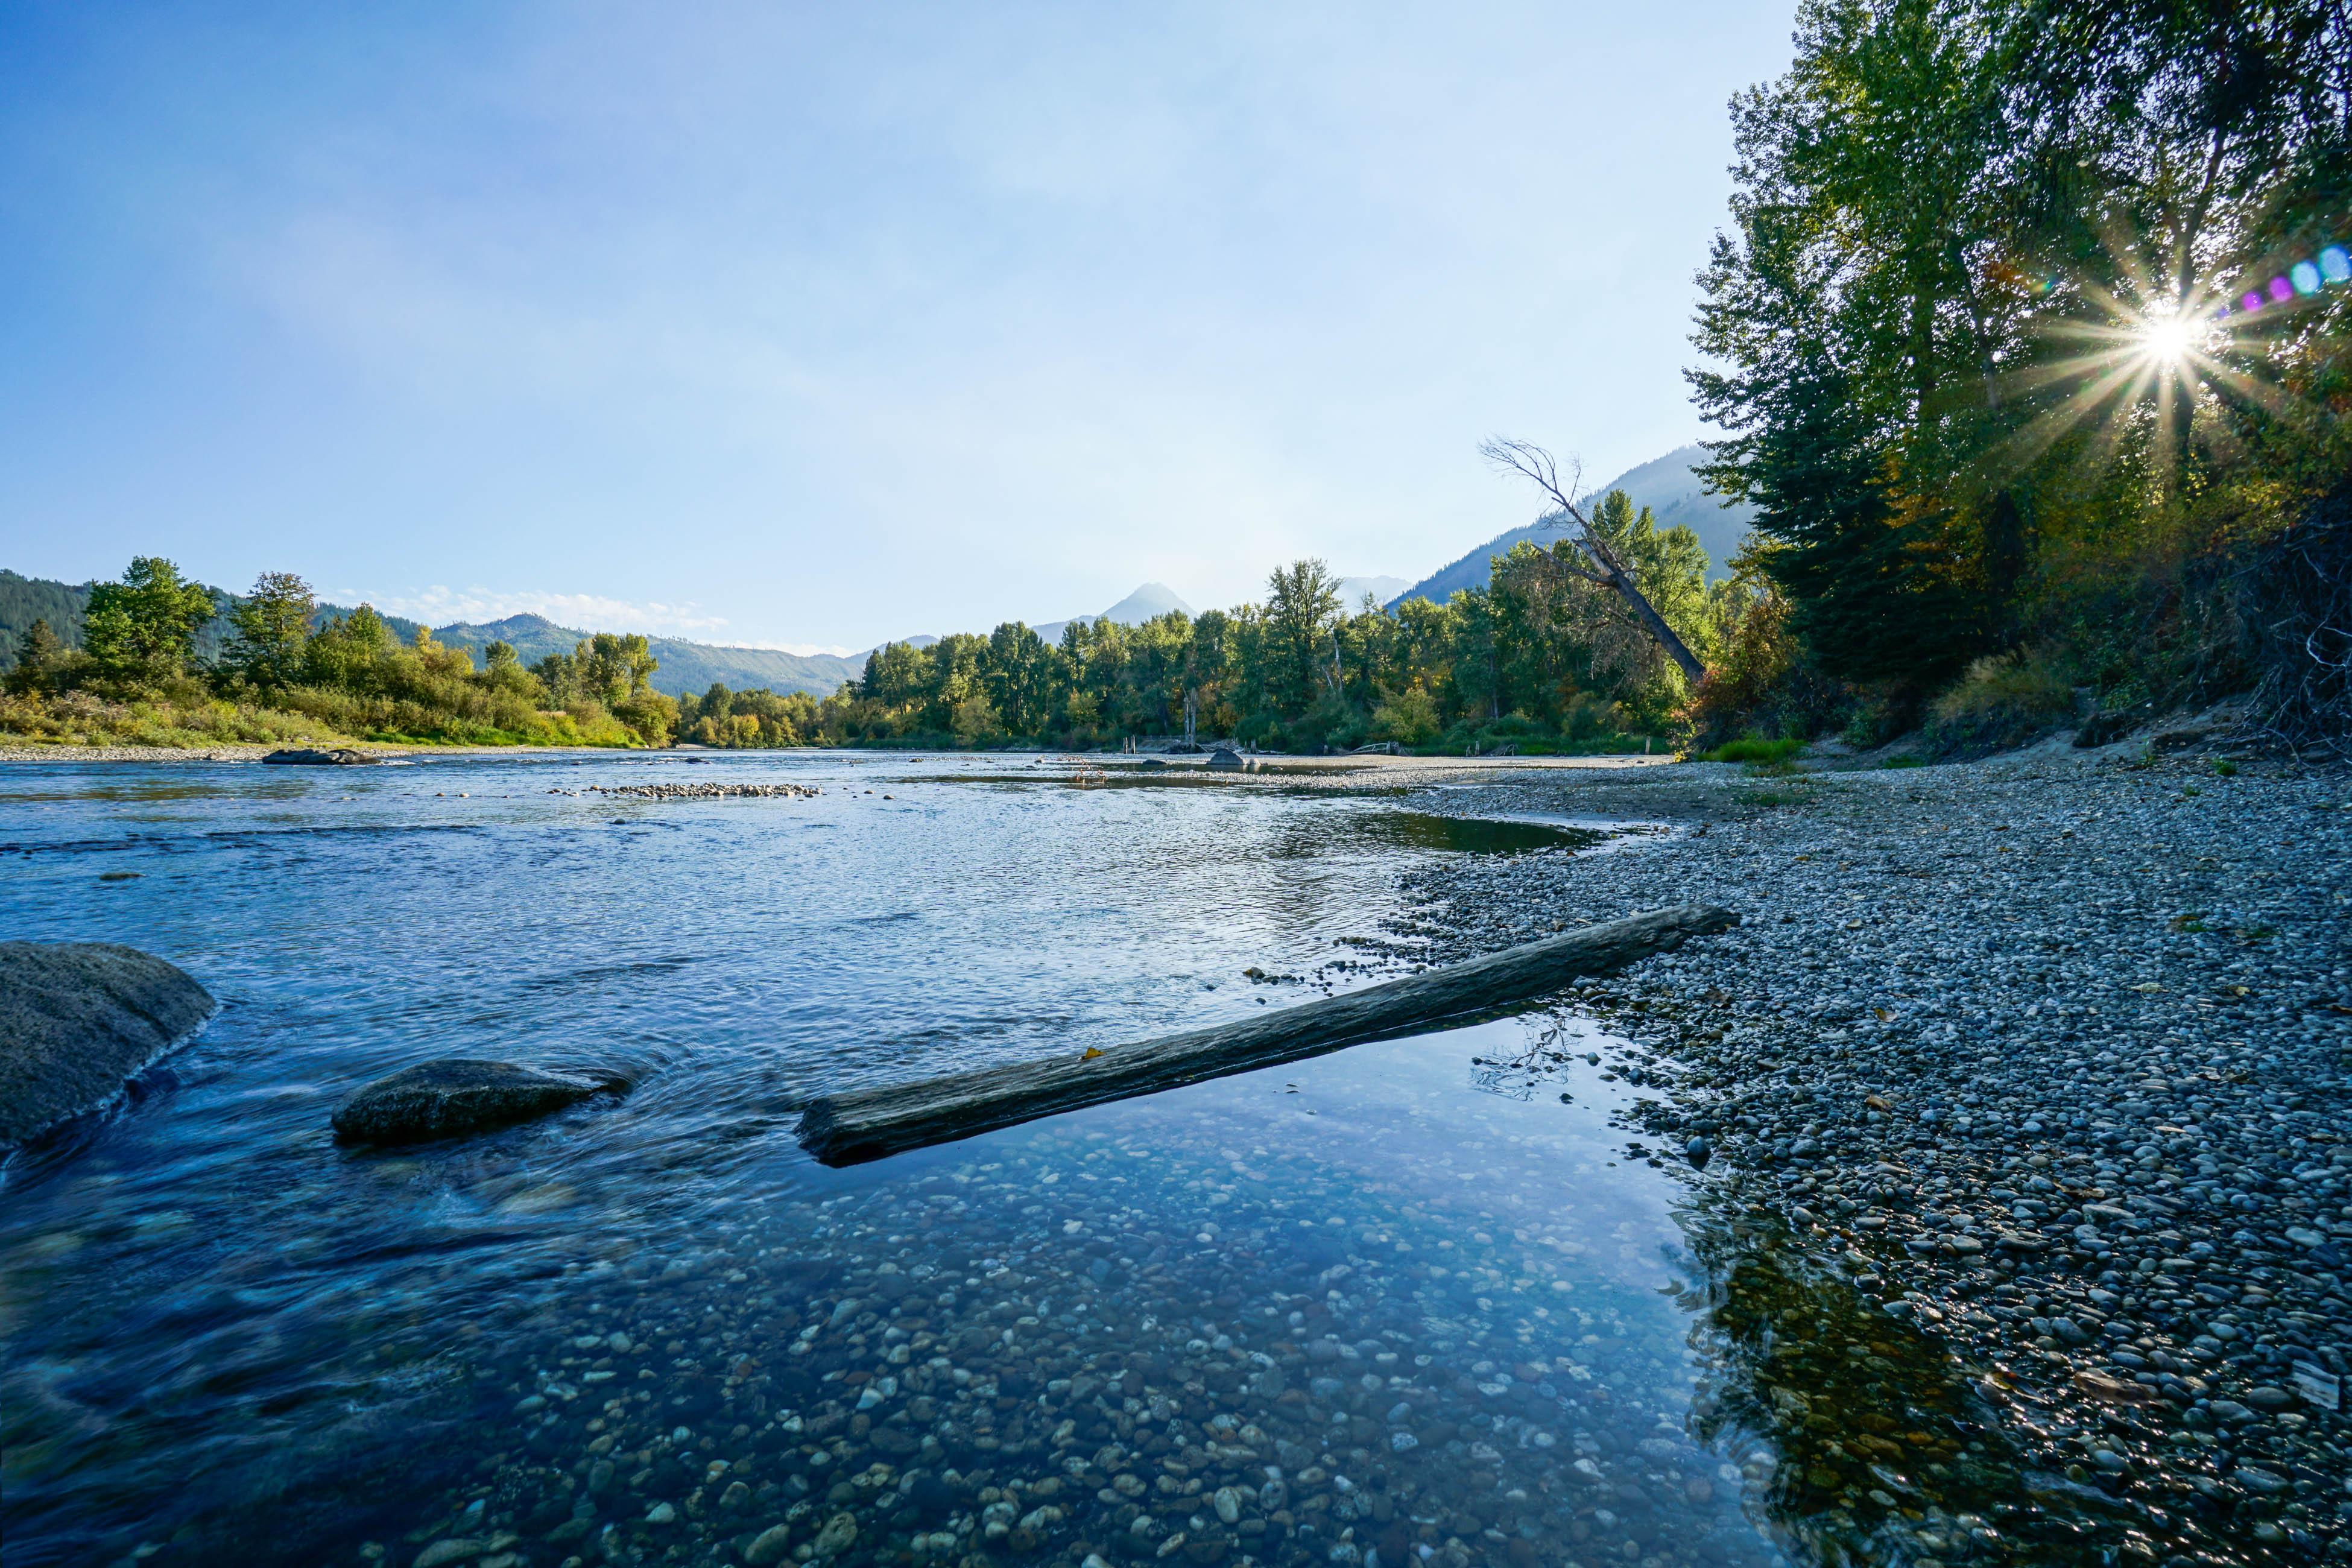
<point>700,791</point>
<point>867,1124</point>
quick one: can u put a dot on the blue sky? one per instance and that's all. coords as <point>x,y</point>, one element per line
<point>814,324</point>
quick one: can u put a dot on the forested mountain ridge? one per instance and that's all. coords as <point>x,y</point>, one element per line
<point>1669,486</point>
<point>684,666</point>
<point>24,600</point>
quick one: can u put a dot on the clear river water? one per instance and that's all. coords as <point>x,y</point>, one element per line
<point>1412,1303</point>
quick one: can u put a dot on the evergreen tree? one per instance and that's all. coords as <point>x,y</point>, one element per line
<point>39,653</point>
<point>271,625</point>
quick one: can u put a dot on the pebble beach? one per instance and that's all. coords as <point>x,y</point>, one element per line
<point>2046,1057</point>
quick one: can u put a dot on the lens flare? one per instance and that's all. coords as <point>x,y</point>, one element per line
<point>2149,351</point>
<point>2166,338</point>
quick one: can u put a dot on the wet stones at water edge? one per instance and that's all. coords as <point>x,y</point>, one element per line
<point>2048,1055</point>
<point>444,1098</point>
<point>78,1020</point>
<point>306,756</point>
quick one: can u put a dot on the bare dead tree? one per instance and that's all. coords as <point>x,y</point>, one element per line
<point>1536,465</point>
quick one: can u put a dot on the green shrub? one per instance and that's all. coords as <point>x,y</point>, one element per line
<point>1753,749</point>
<point>1409,717</point>
<point>2001,701</point>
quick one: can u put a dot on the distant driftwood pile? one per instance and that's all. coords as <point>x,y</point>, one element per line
<point>699,791</point>
<point>867,1124</point>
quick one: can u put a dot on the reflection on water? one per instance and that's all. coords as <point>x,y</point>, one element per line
<point>1867,1441</point>
<point>1421,830</point>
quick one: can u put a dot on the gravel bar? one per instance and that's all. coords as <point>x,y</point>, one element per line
<point>2047,1056</point>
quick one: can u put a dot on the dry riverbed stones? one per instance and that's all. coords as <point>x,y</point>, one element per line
<point>700,791</point>
<point>2048,1056</point>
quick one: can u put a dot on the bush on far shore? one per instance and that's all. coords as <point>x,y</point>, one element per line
<point>292,672</point>
<point>82,719</point>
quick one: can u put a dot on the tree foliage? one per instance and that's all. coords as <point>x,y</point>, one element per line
<point>1541,658</point>
<point>272,624</point>
<point>1936,328</point>
<point>286,669</point>
<point>145,627</point>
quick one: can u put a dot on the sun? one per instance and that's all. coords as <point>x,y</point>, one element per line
<point>2166,338</point>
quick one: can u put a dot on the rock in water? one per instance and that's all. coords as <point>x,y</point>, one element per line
<point>306,756</point>
<point>80,1018</point>
<point>436,1100</point>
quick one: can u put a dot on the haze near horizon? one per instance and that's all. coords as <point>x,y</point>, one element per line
<point>795,327</point>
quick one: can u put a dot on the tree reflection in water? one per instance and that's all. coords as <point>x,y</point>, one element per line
<point>1866,1442</point>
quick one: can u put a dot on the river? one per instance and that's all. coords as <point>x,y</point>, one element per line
<point>1409,1303</point>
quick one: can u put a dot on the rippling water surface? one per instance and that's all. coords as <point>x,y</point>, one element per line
<point>1409,1303</point>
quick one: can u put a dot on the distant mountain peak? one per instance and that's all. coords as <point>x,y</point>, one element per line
<point>1151,599</point>
<point>1382,589</point>
<point>523,622</point>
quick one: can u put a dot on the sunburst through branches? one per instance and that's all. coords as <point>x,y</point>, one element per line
<point>2152,348</point>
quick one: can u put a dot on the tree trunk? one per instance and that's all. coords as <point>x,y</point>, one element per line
<point>1644,611</point>
<point>867,1124</point>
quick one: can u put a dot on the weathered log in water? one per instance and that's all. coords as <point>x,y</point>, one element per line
<point>867,1124</point>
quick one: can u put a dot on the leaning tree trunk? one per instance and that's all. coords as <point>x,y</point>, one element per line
<point>1532,462</point>
<point>1622,581</point>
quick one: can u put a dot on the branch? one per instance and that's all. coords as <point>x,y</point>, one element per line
<point>1532,462</point>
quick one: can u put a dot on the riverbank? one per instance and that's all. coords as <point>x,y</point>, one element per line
<point>2046,1053</point>
<point>1335,770</point>
<point>254,753</point>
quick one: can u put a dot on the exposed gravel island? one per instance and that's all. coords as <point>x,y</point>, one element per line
<point>2047,1053</point>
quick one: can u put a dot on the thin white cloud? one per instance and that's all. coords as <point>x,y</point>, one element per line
<point>440,605</point>
<point>803,648</point>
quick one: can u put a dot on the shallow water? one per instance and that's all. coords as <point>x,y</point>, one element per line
<point>1405,1303</point>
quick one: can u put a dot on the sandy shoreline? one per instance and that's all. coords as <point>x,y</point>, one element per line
<point>240,752</point>
<point>1402,770</point>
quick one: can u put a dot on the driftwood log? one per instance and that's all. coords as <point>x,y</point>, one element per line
<point>867,1124</point>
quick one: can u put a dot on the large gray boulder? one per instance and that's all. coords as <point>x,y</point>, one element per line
<point>439,1098</point>
<point>78,1021</point>
<point>307,756</point>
